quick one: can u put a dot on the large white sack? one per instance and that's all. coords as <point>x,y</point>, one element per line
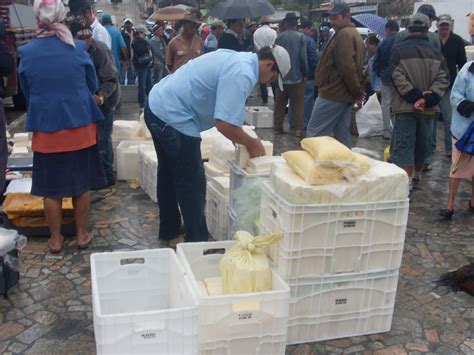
<point>369,118</point>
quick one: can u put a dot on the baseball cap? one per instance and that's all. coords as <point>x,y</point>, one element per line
<point>419,20</point>
<point>217,23</point>
<point>282,59</point>
<point>428,10</point>
<point>339,8</point>
<point>142,29</point>
<point>157,26</point>
<point>128,20</point>
<point>106,18</point>
<point>445,18</point>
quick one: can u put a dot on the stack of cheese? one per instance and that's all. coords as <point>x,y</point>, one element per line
<point>327,172</point>
<point>210,286</point>
<point>22,146</point>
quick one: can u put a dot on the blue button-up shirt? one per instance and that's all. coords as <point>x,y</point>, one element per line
<point>212,86</point>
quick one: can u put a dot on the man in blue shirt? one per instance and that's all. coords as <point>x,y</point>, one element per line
<point>118,44</point>
<point>212,40</point>
<point>208,91</point>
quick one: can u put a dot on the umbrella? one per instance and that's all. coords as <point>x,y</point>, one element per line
<point>373,22</point>
<point>169,13</point>
<point>240,9</point>
<point>466,146</point>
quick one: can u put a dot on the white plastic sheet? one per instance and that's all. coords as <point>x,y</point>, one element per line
<point>369,118</point>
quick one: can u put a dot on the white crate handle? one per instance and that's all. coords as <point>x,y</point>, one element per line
<point>246,307</point>
<point>131,261</point>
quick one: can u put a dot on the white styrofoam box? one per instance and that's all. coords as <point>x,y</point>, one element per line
<point>117,140</point>
<point>149,171</point>
<point>242,155</point>
<point>20,151</point>
<point>341,306</point>
<point>259,116</point>
<point>128,160</point>
<point>23,137</point>
<point>19,186</point>
<point>239,177</point>
<point>330,239</point>
<point>244,323</point>
<point>216,212</point>
<point>211,171</point>
<point>143,303</point>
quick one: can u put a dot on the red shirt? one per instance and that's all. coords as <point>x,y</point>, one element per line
<point>66,140</point>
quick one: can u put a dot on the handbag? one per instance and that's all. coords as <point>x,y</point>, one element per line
<point>145,60</point>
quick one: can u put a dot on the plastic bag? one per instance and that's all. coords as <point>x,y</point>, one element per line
<point>246,207</point>
<point>245,267</point>
<point>304,165</point>
<point>11,240</point>
<point>369,118</point>
<point>386,153</point>
<point>327,150</point>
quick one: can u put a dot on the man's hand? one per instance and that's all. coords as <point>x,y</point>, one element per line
<point>360,100</point>
<point>419,104</point>
<point>255,148</point>
<point>99,100</point>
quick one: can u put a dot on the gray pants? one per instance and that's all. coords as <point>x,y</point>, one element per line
<point>331,118</point>
<point>447,112</point>
<point>387,93</point>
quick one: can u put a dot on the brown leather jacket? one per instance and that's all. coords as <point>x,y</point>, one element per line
<point>339,74</point>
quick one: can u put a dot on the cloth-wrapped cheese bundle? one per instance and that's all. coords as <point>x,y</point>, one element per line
<point>326,161</point>
<point>245,267</point>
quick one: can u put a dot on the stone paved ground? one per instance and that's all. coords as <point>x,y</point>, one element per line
<point>50,312</point>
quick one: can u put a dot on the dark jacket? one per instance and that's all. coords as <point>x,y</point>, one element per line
<point>339,74</point>
<point>382,59</point>
<point>140,48</point>
<point>454,52</point>
<point>229,41</point>
<point>312,52</point>
<point>7,65</point>
<point>158,48</point>
<point>106,74</point>
<point>128,42</point>
<point>58,81</point>
<point>417,67</point>
<point>295,44</point>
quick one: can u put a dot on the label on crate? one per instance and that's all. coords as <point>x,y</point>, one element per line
<point>245,315</point>
<point>146,336</point>
<point>340,301</point>
<point>349,224</point>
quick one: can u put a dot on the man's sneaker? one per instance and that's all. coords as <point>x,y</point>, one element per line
<point>428,167</point>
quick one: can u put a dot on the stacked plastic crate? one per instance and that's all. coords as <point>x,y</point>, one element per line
<point>217,203</point>
<point>341,262</point>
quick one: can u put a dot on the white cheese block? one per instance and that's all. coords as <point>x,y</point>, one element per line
<point>202,289</point>
<point>263,164</point>
<point>242,155</point>
<point>213,286</point>
<point>383,182</point>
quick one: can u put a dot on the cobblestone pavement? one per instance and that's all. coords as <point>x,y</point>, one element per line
<point>50,312</point>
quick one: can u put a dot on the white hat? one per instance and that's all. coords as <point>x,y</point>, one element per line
<point>282,59</point>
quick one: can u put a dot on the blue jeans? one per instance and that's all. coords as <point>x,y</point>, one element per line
<point>144,84</point>
<point>308,103</point>
<point>106,150</point>
<point>181,181</point>
<point>127,73</point>
<point>331,118</point>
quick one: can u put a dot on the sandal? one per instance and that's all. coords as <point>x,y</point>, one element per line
<point>55,251</point>
<point>86,244</point>
<point>446,214</point>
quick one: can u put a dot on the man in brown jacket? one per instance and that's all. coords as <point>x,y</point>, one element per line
<point>339,78</point>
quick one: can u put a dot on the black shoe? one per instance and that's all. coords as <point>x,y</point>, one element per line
<point>446,214</point>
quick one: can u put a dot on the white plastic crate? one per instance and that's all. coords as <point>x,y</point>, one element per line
<point>239,176</point>
<point>341,306</point>
<point>253,323</point>
<point>331,239</point>
<point>259,116</point>
<point>211,171</point>
<point>149,171</point>
<point>115,143</point>
<point>143,303</point>
<point>128,160</point>
<point>216,212</point>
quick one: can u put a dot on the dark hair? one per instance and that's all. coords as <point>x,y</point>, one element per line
<point>372,40</point>
<point>230,22</point>
<point>291,23</point>
<point>392,25</point>
<point>265,53</point>
<point>306,24</point>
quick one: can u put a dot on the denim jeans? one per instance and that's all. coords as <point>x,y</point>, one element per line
<point>447,112</point>
<point>181,181</point>
<point>106,150</point>
<point>331,118</point>
<point>308,103</point>
<point>127,73</point>
<point>144,84</point>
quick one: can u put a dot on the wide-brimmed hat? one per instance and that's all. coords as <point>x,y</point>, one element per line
<point>191,18</point>
<point>428,10</point>
<point>76,6</point>
<point>252,24</point>
<point>290,16</point>
<point>419,20</point>
<point>157,26</point>
<point>142,29</point>
<point>217,23</point>
<point>339,8</point>
<point>264,19</point>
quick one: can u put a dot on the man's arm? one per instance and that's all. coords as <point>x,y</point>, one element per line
<point>106,72</point>
<point>169,56</point>
<point>304,56</point>
<point>238,135</point>
<point>461,55</point>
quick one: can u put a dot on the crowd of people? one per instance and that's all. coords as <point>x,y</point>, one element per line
<point>191,77</point>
